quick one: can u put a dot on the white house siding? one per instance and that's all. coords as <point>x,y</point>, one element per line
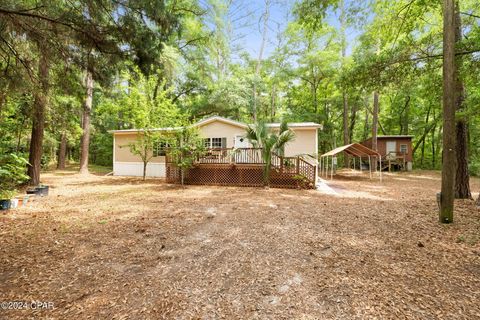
<point>305,142</point>
<point>136,169</point>
<point>127,164</point>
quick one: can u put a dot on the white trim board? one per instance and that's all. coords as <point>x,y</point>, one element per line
<point>135,169</point>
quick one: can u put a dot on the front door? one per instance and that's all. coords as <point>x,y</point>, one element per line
<point>242,155</point>
<point>391,148</point>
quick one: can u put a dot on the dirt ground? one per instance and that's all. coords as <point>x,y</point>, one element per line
<point>119,248</point>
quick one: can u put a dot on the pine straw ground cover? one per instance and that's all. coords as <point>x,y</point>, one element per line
<point>120,248</point>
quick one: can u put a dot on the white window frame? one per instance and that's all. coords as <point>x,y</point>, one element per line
<point>214,143</point>
<point>406,148</point>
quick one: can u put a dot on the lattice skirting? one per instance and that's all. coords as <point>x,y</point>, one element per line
<point>233,175</point>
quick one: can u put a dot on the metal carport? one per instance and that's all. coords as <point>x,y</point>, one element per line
<point>355,150</point>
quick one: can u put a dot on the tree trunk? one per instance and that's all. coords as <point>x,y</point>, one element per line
<point>448,163</point>
<point>346,136</point>
<point>315,98</point>
<point>366,126</point>
<point>266,16</point>
<point>424,135</point>
<point>145,170</point>
<point>375,121</point>
<point>353,118</point>
<point>273,102</point>
<point>406,116</point>
<point>462,179</point>
<point>62,152</point>
<point>3,99</point>
<point>87,109</point>
<point>434,155</point>
<point>38,121</point>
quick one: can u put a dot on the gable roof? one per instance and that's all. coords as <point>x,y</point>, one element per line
<point>224,120</point>
<point>221,119</point>
<point>244,125</point>
<point>296,125</point>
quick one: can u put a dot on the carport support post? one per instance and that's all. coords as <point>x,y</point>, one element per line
<point>326,167</point>
<point>331,177</point>
<point>370,166</point>
<point>321,163</point>
<point>380,169</point>
<point>353,163</point>
<point>320,166</point>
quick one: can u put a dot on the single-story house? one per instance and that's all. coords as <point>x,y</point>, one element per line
<point>218,132</point>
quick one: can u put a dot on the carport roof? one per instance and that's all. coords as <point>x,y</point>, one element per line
<point>354,149</point>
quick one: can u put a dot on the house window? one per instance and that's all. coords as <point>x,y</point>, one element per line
<point>215,142</point>
<point>403,149</point>
<point>159,149</point>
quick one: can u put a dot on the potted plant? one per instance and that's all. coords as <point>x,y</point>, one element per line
<point>5,199</point>
<point>12,174</point>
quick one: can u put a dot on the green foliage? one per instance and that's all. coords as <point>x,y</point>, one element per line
<point>302,181</point>
<point>185,147</point>
<point>144,145</point>
<point>260,136</point>
<point>474,166</point>
<point>12,173</point>
<point>164,64</point>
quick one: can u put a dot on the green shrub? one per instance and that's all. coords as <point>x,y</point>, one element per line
<point>12,172</point>
<point>474,166</point>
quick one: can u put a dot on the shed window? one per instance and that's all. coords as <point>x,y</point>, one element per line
<point>403,149</point>
<point>215,142</point>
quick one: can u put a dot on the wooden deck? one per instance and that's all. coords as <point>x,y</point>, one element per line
<point>244,167</point>
<point>394,160</point>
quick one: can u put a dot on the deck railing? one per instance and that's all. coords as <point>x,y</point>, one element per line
<point>231,156</point>
<point>286,171</point>
<point>294,166</point>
